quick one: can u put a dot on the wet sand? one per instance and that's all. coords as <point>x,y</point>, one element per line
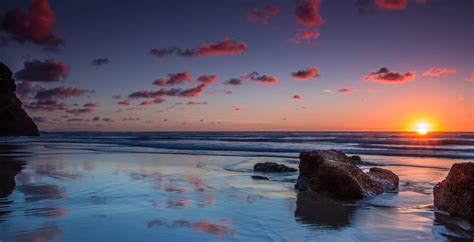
<point>75,194</point>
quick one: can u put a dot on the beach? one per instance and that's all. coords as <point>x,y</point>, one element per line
<point>198,187</point>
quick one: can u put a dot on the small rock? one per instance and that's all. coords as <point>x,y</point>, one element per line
<point>272,167</point>
<point>455,194</point>
<point>260,178</point>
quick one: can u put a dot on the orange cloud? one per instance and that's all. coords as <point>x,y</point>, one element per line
<point>297,97</point>
<point>310,72</point>
<point>346,90</point>
<point>437,71</point>
<point>384,75</point>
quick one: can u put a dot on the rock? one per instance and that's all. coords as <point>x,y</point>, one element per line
<point>334,174</point>
<point>8,170</point>
<point>455,194</point>
<point>272,167</point>
<point>14,121</point>
<point>260,178</point>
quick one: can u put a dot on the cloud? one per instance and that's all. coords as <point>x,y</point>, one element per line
<point>40,119</point>
<point>208,79</point>
<point>265,79</point>
<point>192,92</point>
<point>346,90</point>
<point>307,13</point>
<point>79,111</point>
<point>26,88</point>
<point>60,93</point>
<point>297,97</point>
<point>174,79</point>
<point>107,120</point>
<point>384,75</point>
<point>89,105</point>
<point>36,26</point>
<point>264,14</point>
<point>369,6</point>
<point>233,82</point>
<point>45,105</point>
<point>154,101</point>
<point>437,71</point>
<point>305,37</point>
<point>179,92</point>
<point>123,102</point>
<point>225,47</point>
<point>96,118</point>
<point>310,72</point>
<point>471,78</point>
<point>196,103</point>
<point>42,71</point>
<point>391,4</point>
<point>100,61</point>
<point>236,108</point>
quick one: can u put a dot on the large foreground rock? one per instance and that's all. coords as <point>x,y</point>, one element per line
<point>336,175</point>
<point>13,119</point>
<point>455,194</point>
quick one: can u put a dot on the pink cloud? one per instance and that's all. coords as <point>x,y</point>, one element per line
<point>174,79</point>
<point>384,75</point>
<point>35,26</point>
<point>225,47</point>
<point>310,72</point>
<point>307,13</point>
<point>391,4</point>
<point>306,37</point>
<point>207,79</point>
<point>154,101</point>
<point>437,71</point>
<point>263,15</point>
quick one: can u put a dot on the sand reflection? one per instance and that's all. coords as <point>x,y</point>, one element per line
<point>201,226</point>
<point>322,212</point>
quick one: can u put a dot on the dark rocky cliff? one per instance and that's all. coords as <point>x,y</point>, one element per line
<point>14,121</point>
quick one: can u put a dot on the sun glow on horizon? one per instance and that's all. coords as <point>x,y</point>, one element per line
<point>423,127</point>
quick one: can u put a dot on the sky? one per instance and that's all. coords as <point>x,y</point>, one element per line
<point>213,65</point>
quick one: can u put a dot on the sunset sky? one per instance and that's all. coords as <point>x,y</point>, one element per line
<point>329,65</point>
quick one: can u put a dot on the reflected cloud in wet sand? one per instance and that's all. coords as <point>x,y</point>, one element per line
<point>204,226</point>
<point>43,234</point>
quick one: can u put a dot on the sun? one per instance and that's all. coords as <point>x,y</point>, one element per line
<point>422,128</point>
